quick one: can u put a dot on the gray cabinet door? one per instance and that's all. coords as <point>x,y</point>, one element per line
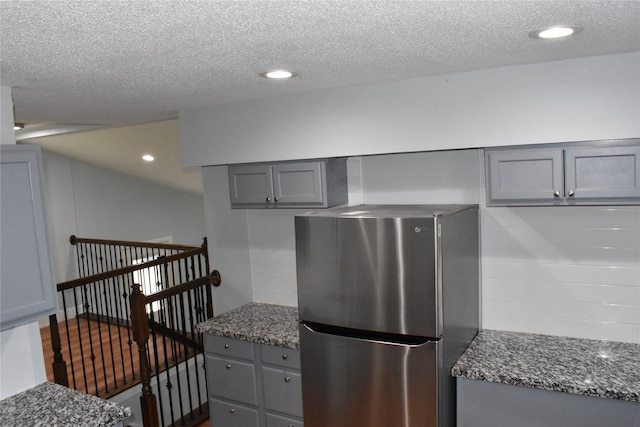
<point>522,175</point>
<point>282,391</point>
<point>250,185</point>
<point>603,173</point>
<point>298,183</point>
<point>28,288</point>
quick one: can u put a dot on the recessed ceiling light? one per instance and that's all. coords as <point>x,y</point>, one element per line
<point>148,158</point>
<point>555,32</point>
<point>279,74</point>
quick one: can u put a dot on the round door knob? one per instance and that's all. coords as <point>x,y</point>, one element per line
<point>232,411</point>
<point>226,346</point>
<point>229,366</point>
<point>276,199</point>
<point>556,193</point>
<point>287,379</point>
<point>285,357</point>
<point>268,199</point>
<point>571,193</point>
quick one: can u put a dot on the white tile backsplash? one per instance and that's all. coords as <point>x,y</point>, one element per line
<point>571,271</point>
<point>273,257</point>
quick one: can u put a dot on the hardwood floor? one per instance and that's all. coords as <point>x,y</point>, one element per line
<point>100,342</point>
<point>104,338</point>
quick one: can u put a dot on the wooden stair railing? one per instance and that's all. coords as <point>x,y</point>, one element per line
<point>111,311</point>
<point>191,342</point>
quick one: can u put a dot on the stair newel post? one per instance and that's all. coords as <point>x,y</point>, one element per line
<point>59,366</point>
<point>140,326</point>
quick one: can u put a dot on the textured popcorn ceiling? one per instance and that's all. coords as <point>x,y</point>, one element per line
<point>126,62</point>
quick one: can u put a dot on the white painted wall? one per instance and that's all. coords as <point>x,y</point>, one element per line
<point>228,238</point>
<point>572,100</point>
<point>90,201</point>
<point>21,360</point>
<point>7,134</point>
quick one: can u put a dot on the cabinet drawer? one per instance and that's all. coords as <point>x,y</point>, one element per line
<point>228,347</point>
<point>285,357</point>
<point>225,414</point>
<point>282,391</point>
<point>232,379</point>
<point>278,421</point>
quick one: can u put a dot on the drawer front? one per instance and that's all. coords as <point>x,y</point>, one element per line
<point>278,421</point>
<point>232,379</point>
<point>285,357</point>
<point>282,391</point>
<point>228,347</point>
<point>226,414</point>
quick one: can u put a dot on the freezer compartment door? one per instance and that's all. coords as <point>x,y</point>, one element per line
<point>349,381</point>
<point>376,274</point>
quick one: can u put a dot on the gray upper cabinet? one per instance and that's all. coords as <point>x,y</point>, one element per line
<point>588,173</point>
<point>26,277</point>
<point>313,183</point>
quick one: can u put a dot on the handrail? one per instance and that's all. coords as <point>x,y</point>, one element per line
<point>75,240</point>
<point>213,279</point>
<point>125,270</point>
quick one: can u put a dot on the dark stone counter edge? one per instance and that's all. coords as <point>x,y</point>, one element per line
<point>609,394</point>
<point>255,339</point>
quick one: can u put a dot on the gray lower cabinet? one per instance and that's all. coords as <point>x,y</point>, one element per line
<point>311,183</point>
<point>589,173</point>
<point>485,404</point>
<point>28,287</point>
<point>252,384</point>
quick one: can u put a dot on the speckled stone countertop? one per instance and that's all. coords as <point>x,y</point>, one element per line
<point>580,366</point>
<point>257,322</point>
<point>50,404</point>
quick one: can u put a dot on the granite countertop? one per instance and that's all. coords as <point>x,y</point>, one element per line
<point>257,322</point>
<point>50,404</point>
<point>572,365</point>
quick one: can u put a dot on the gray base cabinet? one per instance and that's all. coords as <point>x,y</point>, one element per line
<point>587,173</point>
<point>300,184</point>
<point>484,404</point>
<point>28,287</point>
<point>252,384</point>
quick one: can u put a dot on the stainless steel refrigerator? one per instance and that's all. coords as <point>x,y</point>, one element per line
<point>388,301</point>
